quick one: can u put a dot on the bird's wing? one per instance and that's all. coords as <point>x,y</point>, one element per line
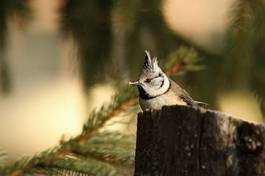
<point>185,95</point>
<point>181,93</point>
<point>202,104</point>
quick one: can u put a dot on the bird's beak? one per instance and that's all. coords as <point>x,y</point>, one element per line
<point>134,82</point>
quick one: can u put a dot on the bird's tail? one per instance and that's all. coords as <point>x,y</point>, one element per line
<point>202,104</point>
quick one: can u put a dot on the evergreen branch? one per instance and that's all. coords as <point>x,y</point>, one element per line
<point>51,159</point>
<point>93,152</point>
<point>182,59</point>
<point>85,165</point>
<point>97,120</point>
<point>113,148</point>
<point>125,98</point>
<point>26,164</point>
<point>66,172</point>
<point>121,102</point>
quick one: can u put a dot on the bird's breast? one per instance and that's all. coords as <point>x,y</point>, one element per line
<point>163,100</point>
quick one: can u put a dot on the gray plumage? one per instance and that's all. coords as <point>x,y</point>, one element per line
<point>157,90</point>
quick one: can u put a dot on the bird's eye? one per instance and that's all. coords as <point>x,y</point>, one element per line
<point>148,80</point>
<point>159,75</point>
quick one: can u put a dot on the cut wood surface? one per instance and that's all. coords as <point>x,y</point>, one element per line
<point>184,141</point>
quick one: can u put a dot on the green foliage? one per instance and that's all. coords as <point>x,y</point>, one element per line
<point>26,163</point>
<point>110,147</point>
<point>94,155</point>
<point>98,117</point>
<point>96,151</point>
<point>88,166</point>
<point>187,56</point>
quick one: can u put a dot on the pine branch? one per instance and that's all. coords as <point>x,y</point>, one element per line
<point>66,172</point>
<point>94,152</point>
<point>126,97</point>
<point>182,58</point>
<point>98,119</point>
<point>113,148</point>
<point>86,165</point>
<point>26,164</point>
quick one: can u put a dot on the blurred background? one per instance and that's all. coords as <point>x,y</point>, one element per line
<point>59,59</point>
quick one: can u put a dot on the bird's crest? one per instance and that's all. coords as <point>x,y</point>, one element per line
<point>150,65</point>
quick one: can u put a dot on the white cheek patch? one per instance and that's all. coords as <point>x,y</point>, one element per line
<point>164,87</point>
<point>156,90</point>
<point>157,83</point>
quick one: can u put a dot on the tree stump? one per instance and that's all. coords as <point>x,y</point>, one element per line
<point>186,141</point>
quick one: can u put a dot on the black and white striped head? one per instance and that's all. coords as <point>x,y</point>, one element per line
<point>152,81</point>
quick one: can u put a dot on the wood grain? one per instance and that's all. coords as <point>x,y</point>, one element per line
<point>184,141</point>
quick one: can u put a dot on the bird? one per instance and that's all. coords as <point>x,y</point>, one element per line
<point>157,90</point>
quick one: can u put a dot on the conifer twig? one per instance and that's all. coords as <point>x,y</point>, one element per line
<point>176,68</point>
<point>123,107</point>
<point>132,100</point>
<point>83,145</point>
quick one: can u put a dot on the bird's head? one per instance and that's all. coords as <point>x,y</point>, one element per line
<point>152,81</point>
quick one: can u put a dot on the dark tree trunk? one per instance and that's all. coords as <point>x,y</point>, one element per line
<point>183,141</point>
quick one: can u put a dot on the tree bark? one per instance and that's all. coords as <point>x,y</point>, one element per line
<point>186,141</point>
